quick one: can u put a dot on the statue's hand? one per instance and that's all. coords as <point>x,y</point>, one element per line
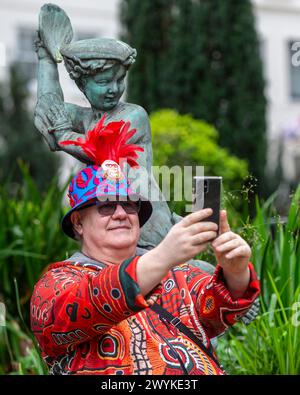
<point>59,118</point>
<point>41,50</point>
<point>51,117</point>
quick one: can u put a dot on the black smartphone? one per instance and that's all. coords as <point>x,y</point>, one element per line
<point>207,194</point>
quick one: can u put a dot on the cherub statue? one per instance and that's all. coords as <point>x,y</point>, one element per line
<point>98,67</point>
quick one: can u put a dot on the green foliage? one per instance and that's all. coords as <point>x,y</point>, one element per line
<point>31,231</point>
<point>181,140</point>
<point>277,252</point>
<point>201,57</point>
<point>144,26</point>
<point>270,344</point>
<point>30,239</point>
<point>229,90</point>
<point>18,352</point>
<point>18,137</point>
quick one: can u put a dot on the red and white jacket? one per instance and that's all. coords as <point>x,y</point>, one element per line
<point>90,318</point>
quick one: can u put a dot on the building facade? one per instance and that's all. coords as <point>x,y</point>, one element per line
<point>278,25</point>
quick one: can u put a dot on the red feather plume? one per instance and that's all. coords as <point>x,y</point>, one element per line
<point>108,142</point>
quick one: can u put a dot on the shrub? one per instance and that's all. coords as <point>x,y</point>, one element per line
<point>30,239</point>
<point>181,140</point>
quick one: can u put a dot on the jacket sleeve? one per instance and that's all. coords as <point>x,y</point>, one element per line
<point>216,308</point>
<point>70,305</point>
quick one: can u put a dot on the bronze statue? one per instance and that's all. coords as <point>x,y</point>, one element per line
<point>98,67</point>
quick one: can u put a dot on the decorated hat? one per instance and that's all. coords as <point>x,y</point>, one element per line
<point>107,148</point>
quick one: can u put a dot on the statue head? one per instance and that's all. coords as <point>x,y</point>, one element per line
<point>99,66</point>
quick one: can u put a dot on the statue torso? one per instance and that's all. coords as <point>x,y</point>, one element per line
<point>85,118</point>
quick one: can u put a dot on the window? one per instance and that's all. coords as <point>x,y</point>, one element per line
<point>26,56</point>
<point>2,55</point>
<point>294,62</point>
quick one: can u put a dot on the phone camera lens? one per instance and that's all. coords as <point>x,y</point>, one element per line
<point>206,186</point>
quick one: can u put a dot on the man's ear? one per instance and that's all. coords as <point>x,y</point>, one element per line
<point>77,223</point>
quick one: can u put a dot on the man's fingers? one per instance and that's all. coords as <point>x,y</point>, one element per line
<point>203,237</point>
<point>224,225</point>
<point>238,252</point>
<point>224,238</point>
<point>230,245</point>
<point>196,217</point>
<point>202,226</point>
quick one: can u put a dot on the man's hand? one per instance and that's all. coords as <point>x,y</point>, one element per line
<point>185,240</point>
<point>232,254</point>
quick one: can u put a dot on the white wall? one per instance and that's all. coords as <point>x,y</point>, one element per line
<point>278,22</point>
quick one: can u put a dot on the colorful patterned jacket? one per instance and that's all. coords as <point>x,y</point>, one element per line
<point>90,318</point>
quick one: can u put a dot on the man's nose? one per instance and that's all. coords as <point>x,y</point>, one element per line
<point>119,212</point>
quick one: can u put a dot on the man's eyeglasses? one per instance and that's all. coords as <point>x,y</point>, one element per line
<point>108,208</point>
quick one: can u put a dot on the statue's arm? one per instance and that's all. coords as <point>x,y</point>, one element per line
<point>57,123</point>
<point>48,77</point>
<point>56,120</point>
<point>73,150</point>
<point>64,125</point>
<point>48,91</point>
<point>71,134</point>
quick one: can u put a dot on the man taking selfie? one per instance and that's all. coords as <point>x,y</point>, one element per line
<point>109,310</point>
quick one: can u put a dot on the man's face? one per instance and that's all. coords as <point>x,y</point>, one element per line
<point>104,89</point>
<point>106,233</point>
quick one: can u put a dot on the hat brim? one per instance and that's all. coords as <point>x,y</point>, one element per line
<point>144,213</point>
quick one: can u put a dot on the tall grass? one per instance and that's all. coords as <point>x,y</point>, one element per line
<point>30,239</point>
<point>271,343</point>
<point>30,236</point>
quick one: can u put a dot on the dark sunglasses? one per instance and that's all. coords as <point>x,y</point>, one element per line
<point>108,208</point>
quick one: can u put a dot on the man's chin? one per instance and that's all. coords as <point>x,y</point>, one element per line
<point>121,240</point>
